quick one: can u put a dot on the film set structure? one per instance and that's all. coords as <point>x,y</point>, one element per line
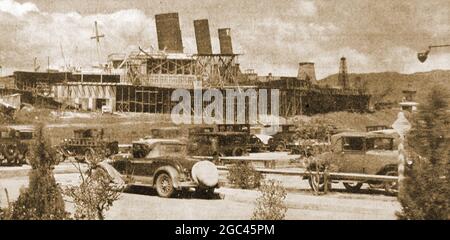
<point>143,80</point>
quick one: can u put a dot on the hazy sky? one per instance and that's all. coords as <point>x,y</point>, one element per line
<point>274,36</point>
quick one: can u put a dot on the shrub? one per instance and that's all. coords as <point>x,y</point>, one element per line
<point>426,188</point>
<point>270,204</point>
<point>96,193</point>
<point>243,175</point>
<point>42,200</point>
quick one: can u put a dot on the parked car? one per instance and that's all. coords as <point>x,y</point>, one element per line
<point>14,145</point>
<point>164,165</point>
<point>86,143</point>
<point>282,140</point>
<point>220,140</point>
<point>361,153</point>
<point>254,142</point>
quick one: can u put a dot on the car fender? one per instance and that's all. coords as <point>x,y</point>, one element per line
<point>115,176</point>
<point>171,171</point>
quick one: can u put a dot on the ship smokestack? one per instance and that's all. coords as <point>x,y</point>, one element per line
<point>202,36</point>
<point>168,32</point>
<point>307,72</point>
<point>225,41</point>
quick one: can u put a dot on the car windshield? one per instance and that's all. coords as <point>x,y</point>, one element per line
<point>353,143</point>
<point>380,144</point>
<point>172,149</point>
<point>26,135</point>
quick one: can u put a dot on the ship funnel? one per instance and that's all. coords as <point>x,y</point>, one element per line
<point>168,32</point>
<point>225,41</point>
<point>202,36</point>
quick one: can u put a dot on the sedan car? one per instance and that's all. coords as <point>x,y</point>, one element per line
<point>164,165</point>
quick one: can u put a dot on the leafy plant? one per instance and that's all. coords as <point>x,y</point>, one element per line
<point>270,204</point>
<point>42,200</point>
<point>426,188</point>
<point>96,193</point>
<point>243,175</point>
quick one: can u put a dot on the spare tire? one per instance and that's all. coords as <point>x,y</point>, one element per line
<point>205,173</point>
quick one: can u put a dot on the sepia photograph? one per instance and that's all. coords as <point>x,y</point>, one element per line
<point>224,110</point>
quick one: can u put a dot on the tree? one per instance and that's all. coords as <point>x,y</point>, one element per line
<point>270,204</point>
<point>426,192</point>
<point>42,200</point>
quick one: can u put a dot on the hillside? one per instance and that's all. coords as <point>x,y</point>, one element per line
<point>393,83</point>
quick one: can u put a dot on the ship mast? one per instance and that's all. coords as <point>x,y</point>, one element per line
<point>97,39</point>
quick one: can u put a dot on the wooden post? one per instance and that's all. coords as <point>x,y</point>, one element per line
<point>325,180</point>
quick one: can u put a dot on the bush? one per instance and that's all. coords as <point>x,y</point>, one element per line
<point>426,188</point>
<point>243,175</point>
<point>270,204</point>
<point>42,200</point>
<point>96,193</point>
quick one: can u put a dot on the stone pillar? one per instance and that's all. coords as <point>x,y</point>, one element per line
<point>402,126</point>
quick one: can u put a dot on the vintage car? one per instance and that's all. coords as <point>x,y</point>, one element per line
<point>86,143</point>
<point>220,141</point>
<point>281,140</point>
<point>362,153</point>
<point>164,165</point>
<point>14,145</point>
<point>254,142</point>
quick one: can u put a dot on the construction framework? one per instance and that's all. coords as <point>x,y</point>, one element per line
<point>217,70</point>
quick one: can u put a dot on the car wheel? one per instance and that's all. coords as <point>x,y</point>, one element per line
<point>317,183</point>
<point>353,187</point>
<point>164,185</point>
<point>238,152</point>
<point>391,187</point>
<point>280,147</point>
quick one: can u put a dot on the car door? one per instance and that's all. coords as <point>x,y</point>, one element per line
<point>140,166</point>
<point>380,153</point>
<point>142,171</point>
<point>352,157</point>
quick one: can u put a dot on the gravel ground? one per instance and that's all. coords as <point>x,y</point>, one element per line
<point>236,203</point>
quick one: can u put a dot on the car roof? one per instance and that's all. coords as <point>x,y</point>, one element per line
<point>22,128</point>
<point>363,134</point>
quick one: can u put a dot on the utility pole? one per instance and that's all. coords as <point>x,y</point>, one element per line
<point>97,39</point>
